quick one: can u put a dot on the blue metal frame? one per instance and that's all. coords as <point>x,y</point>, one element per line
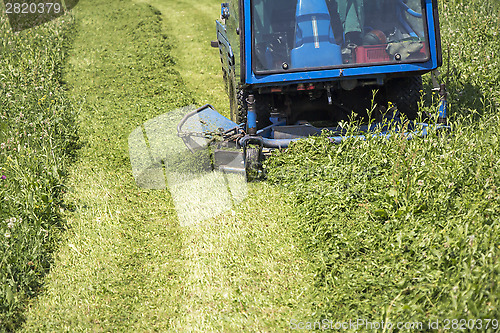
<point>329,74</point>
<point>413,130</point>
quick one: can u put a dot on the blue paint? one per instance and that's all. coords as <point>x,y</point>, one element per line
<point>251,120</point>
<point>314,40</point>
<point>333,73</point>
<point>442,109</point>
<point>409,10</point>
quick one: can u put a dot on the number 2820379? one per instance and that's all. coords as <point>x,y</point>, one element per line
<point>33,8</point>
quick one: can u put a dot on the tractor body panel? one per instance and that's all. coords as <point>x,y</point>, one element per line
<point>314,56</point>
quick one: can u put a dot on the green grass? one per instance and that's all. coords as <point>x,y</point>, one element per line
<point>405,230</point>
<point>191,28</point>
<point>119,236</point>
<point>37,137</point>
<point>470,34</point>
<point>125,264</point>
<point>399,230</point>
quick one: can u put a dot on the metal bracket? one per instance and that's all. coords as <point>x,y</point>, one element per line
<point>251,139</point>
<point>224,11</point>
<point>434,77</point>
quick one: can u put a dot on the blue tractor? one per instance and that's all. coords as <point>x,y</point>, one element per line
<point>295,67</point>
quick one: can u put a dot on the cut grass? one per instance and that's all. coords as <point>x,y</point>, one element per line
<point>253,276</point>
<point>191,27</point>
<point>119,266</point>
<point>245,274</point>
<point>126,264</point>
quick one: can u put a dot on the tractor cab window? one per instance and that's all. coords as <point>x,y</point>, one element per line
<point>307,34</point>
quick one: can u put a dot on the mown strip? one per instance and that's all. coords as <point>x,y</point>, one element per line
<point>125,264</point>
<point>118,268</point>
<point>245,270</point>
<point>37,140</point>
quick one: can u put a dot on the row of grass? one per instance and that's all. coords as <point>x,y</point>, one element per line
<point>37,137</point>
<point>470,42</point>
<point>400,229</point>
<point>125,264</point>
<point>116,268</point>
<point>408,230</point>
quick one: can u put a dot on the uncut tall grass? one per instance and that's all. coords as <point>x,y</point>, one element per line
<point>408,230</point>
<point>37,137</point>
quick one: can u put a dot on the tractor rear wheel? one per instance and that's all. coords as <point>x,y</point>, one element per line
<point>404,94</point>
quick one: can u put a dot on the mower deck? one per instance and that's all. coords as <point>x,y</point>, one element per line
<point>235,151</point>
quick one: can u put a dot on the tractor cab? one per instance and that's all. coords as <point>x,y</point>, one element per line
<point>310,60</point>
<point>304,35</point>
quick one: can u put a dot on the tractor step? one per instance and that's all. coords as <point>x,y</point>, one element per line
<point>230,161</point>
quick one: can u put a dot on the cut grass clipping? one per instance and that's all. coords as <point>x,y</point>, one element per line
<point>125,264</point>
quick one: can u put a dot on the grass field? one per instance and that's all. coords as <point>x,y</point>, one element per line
<point>409,230</point>
<point>394,231</point>
<point>37,141</point>
<point>125,264</point>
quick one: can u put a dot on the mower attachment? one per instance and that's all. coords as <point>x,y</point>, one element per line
<point>204,125</point>
<point>205,128</point>
<point>233,150</point>
<point>166,152</point>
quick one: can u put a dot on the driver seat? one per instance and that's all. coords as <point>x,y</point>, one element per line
<point>315,44</point>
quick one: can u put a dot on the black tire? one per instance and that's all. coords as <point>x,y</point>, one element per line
<point>253,165</point>
<point>404,94</point>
